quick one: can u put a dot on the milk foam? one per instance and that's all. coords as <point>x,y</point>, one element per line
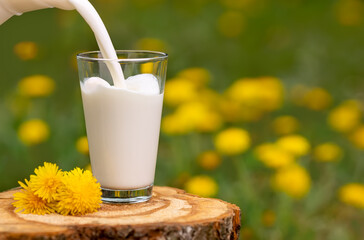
<point>142,83</point>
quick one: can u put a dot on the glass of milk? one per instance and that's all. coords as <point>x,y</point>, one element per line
<point>123,117</point>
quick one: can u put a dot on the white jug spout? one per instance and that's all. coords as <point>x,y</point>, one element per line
<point>9,8</point>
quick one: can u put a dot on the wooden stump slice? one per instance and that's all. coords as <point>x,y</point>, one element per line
<point>170,214</point>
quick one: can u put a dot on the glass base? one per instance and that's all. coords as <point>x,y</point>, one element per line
<point>127,196</point>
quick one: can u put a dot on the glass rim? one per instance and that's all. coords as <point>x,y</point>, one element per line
<point>159,56</point>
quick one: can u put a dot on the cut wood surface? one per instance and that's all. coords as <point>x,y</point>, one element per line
<point>170,214</point>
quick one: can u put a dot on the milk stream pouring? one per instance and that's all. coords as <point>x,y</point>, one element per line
<point>9,8</point>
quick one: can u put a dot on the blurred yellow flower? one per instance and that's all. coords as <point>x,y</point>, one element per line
<point>36,86</point>
<point>200,115</point>
<point>210,122</point>
<point>232,141</point>
<point>231,24</point>
<point>295,144</point>
<point>230,110</point>
<point>191,116</point>
<point>209,160</point>
<point>357,137</point>
<point>327,152</point>
<point>179,90</point>
<point>233,111</point>
<point>283,125</point>
<point>292,180</point>
<point>82,145</point>
<point>345,117</point>
<point>202,185</point>
<point>198,76</point>
<point>268,218</point>
<point>273,156</point>
<point>147,67</point>
<point>349,12</point>
<point>264,93</point>
<point>317,99</point>
<point>174,125</point>
<point>352,194</point>
<point>152,44</point>
<point>26,50</point>
<point>33,132</point>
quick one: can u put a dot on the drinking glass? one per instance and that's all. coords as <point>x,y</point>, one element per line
<point>123,124</point>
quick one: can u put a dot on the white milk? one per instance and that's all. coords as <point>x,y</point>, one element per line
<point>123,130</point>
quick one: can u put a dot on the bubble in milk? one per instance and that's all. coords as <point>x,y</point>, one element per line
<point>94,83</point>
<point>143,83</point>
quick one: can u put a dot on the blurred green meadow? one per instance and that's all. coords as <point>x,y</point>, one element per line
<point>263,104</point>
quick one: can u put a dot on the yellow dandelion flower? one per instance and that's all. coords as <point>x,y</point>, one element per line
<point>210,122</point>
<point>209,160</point>
<point>230,109</point>
<point>234,111</point>
<point>327,152</point>
<point>26,50</point>
<point>294,144</point>
<point>198,76</point>
<point>352,194</point>
<point>349,12</point>
<point>27,202</point>
<point>285,125</point>
<point>345,117</point>
<point>273,156</point>
<point>79,194</point>
<point>357,137</point>
<point>191,116</point>
<point>232,141</point>
<point>152,44</point>
<point>268,218</point>
<point>263,93</point>
<point>36,86</point>
<point>231,24</point>
<point>317,99</point>
<point>82,145</point>
<point>179,90</point>
<point>33,132</point>
<point>293,180</point>
<point>175,125</point>
<point>46,181</point>
<point>202,185</point>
